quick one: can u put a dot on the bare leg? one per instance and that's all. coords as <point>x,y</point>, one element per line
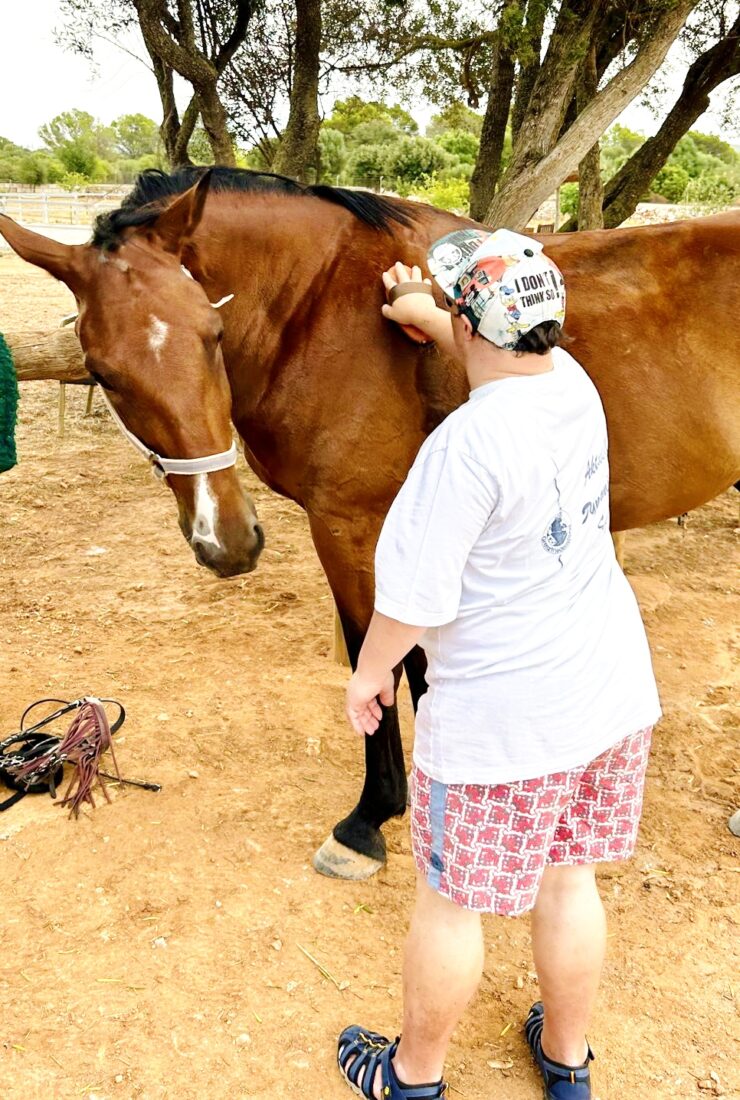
<point>443,963</point>
<point>569,942</point>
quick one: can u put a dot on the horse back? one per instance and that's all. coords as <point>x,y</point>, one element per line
<point>652,313</point>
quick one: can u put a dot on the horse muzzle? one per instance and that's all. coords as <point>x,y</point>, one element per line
<point>219,521</point>
<point>234,557</point>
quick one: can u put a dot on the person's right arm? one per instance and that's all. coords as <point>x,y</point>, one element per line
<point>419,309</point>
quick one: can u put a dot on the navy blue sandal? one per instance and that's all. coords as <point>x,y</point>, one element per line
<point>359,1055</point>
<point>561,1082</point>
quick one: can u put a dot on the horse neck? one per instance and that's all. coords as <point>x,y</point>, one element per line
<point>277,255</point>
<point>273,253</point>
<point>280,254</point>
<point>305,275</point>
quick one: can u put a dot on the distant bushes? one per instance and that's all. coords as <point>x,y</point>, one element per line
<point>363,143</point>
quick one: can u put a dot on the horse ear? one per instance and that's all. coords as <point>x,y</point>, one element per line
<point>175,225</point>
<point>63,261</point>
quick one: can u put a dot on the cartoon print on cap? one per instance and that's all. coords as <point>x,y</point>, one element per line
<point>449,255</point>
<point>501,281</point>
<point>508,297</point>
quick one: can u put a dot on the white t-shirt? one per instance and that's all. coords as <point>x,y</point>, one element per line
<point>498,542</point>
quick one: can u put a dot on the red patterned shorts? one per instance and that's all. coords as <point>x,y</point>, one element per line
<point>486,847</point>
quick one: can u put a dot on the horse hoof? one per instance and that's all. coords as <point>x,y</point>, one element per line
<point>734,823</point>
<point>337,861</point>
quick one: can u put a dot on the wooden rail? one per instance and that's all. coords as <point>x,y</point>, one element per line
<point>54,354</point>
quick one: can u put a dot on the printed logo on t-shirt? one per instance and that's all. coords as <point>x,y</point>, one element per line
<point>557,535</point>
<point>600,496</point>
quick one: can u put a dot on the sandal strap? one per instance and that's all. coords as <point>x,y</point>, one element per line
<point>556,1074</point>
<point>361,1050</point>
<point>393,1089</point>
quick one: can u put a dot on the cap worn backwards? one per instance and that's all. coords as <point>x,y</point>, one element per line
<point>501,281</point>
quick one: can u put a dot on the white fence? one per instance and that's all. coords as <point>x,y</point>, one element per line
<point>59,207</point>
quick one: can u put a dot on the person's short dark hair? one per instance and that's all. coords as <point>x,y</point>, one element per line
<point>540,339</point>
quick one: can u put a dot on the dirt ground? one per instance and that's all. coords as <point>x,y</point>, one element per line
<point>159,946</point>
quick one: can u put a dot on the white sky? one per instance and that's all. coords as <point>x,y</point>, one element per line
<point>38,79</point>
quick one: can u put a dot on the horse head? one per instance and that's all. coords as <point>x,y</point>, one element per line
<point>152,341</point>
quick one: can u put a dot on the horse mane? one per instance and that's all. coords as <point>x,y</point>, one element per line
<point>153,187</point>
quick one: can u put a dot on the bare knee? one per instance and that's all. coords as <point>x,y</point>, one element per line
<point>561,879</point>
<point>430,904</point>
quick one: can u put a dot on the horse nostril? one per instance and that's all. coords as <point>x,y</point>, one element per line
<point>260,534</point>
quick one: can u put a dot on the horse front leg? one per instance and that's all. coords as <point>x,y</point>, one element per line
<point>415,667</point>
<point>355,848</point>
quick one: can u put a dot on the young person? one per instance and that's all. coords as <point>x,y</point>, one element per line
<point>532,740</point>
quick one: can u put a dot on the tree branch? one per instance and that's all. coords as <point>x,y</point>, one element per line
<point>625,189</point>
<point>244,11</point>
<point>192,66</point>
<point>532,177</point>
<point>432,42</point>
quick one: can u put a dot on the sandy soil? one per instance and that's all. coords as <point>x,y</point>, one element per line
<point>155,947</point>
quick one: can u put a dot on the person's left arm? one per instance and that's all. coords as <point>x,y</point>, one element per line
<point>386,644</point>
<point>435,520</point>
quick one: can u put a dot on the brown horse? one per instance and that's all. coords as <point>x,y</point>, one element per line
<point>332,402</point>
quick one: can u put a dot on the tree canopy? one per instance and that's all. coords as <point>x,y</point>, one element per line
<point>526,91</point>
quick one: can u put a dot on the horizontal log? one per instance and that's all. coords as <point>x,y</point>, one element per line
<point>54,354</point>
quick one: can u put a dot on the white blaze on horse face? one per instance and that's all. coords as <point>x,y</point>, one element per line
<point>206,514</point>
<point>157,335</point>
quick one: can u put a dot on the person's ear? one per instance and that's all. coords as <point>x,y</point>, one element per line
<point>467,328</point>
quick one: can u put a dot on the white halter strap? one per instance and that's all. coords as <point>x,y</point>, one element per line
<point>161,467</point>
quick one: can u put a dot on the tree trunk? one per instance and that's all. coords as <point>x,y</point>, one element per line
<point>213,114</point>
<point>172,45</point>
<point>297,154</point>
<point>488,162</point>
<point>540,162</point>
<point>590,189</point>
<point>180,156</point>
<point>171,129</point>
<point>54,354</point>
<point>545,111</point>
<point>529,63</point>
<point>625,189</point>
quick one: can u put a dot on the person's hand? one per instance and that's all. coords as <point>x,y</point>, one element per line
<point>410,309</point>
<point>363,701</point>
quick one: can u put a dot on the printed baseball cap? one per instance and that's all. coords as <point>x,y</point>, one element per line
<point>501,281</point>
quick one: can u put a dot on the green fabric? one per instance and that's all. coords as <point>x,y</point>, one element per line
<point>8,407</point>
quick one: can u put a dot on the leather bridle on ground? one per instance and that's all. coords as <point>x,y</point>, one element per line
<point>32,760</point>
